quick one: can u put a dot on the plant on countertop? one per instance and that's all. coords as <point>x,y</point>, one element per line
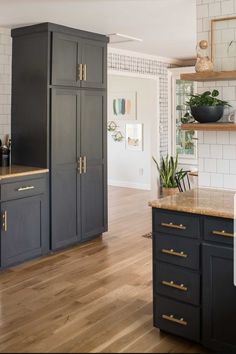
<point>207,98</point>
<point>168,169</point>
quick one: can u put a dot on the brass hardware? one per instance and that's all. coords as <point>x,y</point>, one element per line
<point>27,188</point>
<point>84,164</point>
<point>171,318</point>
<point>171,284</point>
<point>4,218</point>
<point>80,72</point>
<point>85,72</point>
<point>222,233</point>
<point>174,226</point>
<point>174,253</point>
<point>80,167</point>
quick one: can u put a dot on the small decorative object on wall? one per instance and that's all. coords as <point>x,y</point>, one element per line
<point>203,63</point>
<point>123,105</point>
<point>112,126</point>
<point>118,136</point>
<point>223,43</point>
<point>134,137</point>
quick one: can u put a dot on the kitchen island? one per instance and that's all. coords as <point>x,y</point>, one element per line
<point>193,285</point>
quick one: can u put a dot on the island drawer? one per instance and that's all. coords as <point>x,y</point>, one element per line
<point>23,188</point>
<point>219,230</point>
<point>176,250</point>
<point>181,224</point>
<point>177,283</point>
<point>177,318</point>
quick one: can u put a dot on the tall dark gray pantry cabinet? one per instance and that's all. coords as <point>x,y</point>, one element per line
<point>59,121</point>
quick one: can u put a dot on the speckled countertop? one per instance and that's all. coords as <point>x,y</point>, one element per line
<point>17,171</point>
<point>201,201</point>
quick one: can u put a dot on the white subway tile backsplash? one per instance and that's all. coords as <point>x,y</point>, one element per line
<point>204,150</point>
<point>210,165</point>
<point>233,167</point>
<point>227,7</point>
<point>214,9</point>
<point>229,152</point>
<point>216,151</point>
<point>223,166</point>
<point>217,180</point>
<point>210,137</point>
<point>229,93</point>
<point>205,179</point>
<point>229,181</point>
<point>222,137</point>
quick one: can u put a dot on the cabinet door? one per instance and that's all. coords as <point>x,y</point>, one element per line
<point>22,234</point>
<point>94,57</point>
<point>93,147</point>
<point>219,294</point>
<point>64,168</point>
<point>66,55</point>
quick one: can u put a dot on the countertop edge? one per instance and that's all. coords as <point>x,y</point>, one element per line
<point>21,174</point>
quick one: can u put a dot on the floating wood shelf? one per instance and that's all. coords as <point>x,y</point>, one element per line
<point>210,76</point>
<point>210,126</point>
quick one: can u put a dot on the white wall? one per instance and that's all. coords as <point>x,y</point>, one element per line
<point>128,168</point>
<point>217,151</point>
<point>5,81</point>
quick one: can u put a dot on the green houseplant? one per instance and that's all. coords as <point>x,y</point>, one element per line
<point>207,107</point>
<point>167,170</point>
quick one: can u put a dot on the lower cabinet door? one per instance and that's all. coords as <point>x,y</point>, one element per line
<point>219,298</point>
<point>22,230</point>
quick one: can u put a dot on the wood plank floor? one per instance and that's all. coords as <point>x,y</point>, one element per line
<point>92,298</point>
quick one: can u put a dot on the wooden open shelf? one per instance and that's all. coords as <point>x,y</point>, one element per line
<point>210,76</point>
<point>210,127</point>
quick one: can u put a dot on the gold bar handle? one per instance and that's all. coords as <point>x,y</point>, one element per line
<point>171,284</point>
<point>80,72</point>
<point>174,226</point>
<point>4,221</point>
<point>222,233</point>
<point>171,318</point>
<point>84,164</point>
<point>80,166</point>
<point>85,72</point>
<point>174,253</point>
<point>27,188</point>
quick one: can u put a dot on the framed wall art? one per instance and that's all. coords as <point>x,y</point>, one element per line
<point>223,43</point>
<point>134,137</point>
<point>123,105</point>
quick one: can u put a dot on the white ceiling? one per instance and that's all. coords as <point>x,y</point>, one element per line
<point>167,27</point>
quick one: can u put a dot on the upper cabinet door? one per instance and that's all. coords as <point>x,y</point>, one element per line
<point>66,56</point>
<point>94,58</point>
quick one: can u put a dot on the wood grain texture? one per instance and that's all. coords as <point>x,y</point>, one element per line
<point>209,76</point>
<point>227,127</point>
<point>96,297</point>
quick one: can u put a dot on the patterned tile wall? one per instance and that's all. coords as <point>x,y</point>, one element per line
<point>141,65</point>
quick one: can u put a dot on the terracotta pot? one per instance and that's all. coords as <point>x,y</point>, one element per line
<point>166,192</point>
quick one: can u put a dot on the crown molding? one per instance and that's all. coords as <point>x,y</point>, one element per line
<point>150,57</point>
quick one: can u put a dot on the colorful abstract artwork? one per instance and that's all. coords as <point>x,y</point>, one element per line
<point>123,105</point>
<point>134,137</point>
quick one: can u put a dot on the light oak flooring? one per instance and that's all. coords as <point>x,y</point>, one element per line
<point>92,298</point>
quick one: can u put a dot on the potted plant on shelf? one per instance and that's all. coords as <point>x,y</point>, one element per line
<point>206,107</point>
<point>167,170</point>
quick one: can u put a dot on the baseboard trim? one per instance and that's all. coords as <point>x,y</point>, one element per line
<point>124,184</point>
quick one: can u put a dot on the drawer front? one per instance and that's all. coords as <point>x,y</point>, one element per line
<point>21,189</point>
<point>177,283</point>
<point>176,318</point>
<point>219,230</point>
<point>186,225</point>
<point>176,250</point>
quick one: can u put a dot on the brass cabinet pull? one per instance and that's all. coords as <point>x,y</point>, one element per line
<point>173,226</point>
<point>84,164</point>
<point>174,253</point>
<point>4,219</point>
<point>171,318</point>
<point>222,233</point>
<point>80,72</point>
<point>85,72</point>
<point>171,284</point>
<point>27,188</point>
<point>80,165</point>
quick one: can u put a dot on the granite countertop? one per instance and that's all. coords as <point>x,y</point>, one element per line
<point>201,201</point>
<point>17,171</point>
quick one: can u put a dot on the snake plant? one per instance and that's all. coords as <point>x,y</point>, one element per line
<point>168,169</point>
